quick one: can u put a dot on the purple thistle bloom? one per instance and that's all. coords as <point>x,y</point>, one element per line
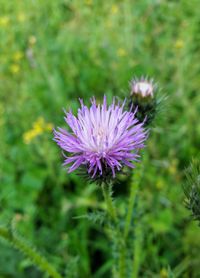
<point>104,139</point>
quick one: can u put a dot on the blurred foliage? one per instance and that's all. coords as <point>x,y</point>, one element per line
<point>52,53</point>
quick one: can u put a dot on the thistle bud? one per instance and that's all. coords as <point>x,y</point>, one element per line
<point>143,98</point>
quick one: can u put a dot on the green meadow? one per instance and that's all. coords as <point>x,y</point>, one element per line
<point>51,54</point>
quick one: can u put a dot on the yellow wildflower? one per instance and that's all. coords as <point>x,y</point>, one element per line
<point>163,273</point>
<point>121,52</point>
<point>21,17</point>
<point>88,2</point>
<point>179,44</point>
<point>14,68</point>
<point>28,136</point>
<point>4,21</point>
<point>39,126</point>
<point>32,40</point>
<point>114,9</point>
<point>18,55</point>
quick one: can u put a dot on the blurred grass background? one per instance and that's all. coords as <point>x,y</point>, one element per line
<point>52,53</point>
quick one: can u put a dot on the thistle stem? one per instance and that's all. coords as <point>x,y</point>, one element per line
<point>107,193</point>
<point>137,231</point>
<point>137,251</point>
<point>133,194</point>
<point>29,252</point>
<point>122,263</point>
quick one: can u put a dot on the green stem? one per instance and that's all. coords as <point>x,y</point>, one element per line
<point>32,254</point>
<point>137,251</point>
<point>131,203</point>
<point>107,193</point>
<point>133,194</point>
<point>122,263</point>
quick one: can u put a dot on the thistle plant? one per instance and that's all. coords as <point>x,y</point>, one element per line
<point>103,141</point>
<point>192,191</point>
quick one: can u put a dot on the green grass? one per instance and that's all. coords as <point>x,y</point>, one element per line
<point>52,53</point>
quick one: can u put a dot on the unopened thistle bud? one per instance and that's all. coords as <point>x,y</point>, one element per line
<point>192,191</point>
<point>144,99</point>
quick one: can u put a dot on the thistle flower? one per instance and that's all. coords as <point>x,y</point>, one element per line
<point>102,139</point>
<point>143,96</point>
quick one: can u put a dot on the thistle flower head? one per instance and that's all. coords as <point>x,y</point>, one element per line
<point>103,138</point>
<point>142,87</point>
